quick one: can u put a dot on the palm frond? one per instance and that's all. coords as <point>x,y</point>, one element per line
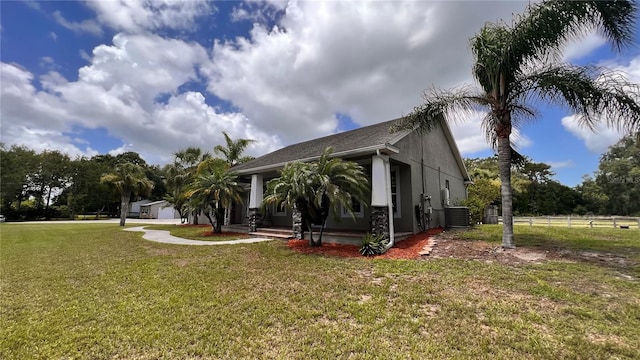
<point>128,177</point>
<point>547,26</point>
<point>441,105</point>
<point>593,93</point>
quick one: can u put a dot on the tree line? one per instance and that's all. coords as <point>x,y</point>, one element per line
<point>613,189</point>
<point>52,185</point>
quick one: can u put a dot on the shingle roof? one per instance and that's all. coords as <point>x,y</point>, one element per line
<point>364,137</point>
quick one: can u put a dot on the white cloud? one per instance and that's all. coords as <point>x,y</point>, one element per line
<point>367,60</point>
<point>142,66</point>
<point>599,140</point>
<point>53,36</point>
<point>471,138</point>
<point>116,91</point>
<point>135,16</point>
<point>89,26</point>
<point>555,165</point>
<point>596,141</point>
<point>257,11</point>
<point>579,48</point>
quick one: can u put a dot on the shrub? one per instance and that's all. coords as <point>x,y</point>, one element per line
<point>372,245</point>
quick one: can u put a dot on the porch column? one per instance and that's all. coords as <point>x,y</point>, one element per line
<point>381,206</point>
<point>255,199</point>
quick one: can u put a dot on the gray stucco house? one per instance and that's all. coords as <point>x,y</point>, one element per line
<point>413,176</point>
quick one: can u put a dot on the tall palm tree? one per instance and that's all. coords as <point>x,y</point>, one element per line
<point>234,149</point>
<point>127,179</point>
<point>318,189</point>
<point>215,190</point>
<point>519,65</point>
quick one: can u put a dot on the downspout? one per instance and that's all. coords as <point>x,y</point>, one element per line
<point>392,235</point>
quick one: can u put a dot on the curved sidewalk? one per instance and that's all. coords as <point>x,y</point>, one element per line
<point>165,237</point>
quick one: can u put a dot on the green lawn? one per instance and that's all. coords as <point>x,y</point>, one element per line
<point>196,232</point>
<point>92,291</point>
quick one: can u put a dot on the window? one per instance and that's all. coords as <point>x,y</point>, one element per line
<point>446,184</point>
<point>395,191</point>
<point>356,206</point>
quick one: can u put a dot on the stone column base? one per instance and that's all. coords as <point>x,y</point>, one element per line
<point>254,215</point>
<point>296,219</point>
<point>380,221</point>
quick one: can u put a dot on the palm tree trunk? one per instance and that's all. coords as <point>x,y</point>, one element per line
<point>211,221</point>
<point>504,162</point>
<point>124,206</point>
<point>219,215</point>
<point>324,224</point>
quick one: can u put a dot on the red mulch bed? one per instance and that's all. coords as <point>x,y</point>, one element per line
<point>405,249</point>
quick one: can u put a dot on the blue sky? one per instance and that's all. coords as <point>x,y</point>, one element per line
<point>154,76</point>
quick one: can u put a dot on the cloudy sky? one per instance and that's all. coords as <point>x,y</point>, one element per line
<point>157,76</point>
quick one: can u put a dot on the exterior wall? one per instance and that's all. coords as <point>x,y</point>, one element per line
<point>440,165</point>
<point>134,207</point>
<point>168,212</point>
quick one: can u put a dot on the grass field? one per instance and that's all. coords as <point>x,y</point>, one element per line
<point>92,291</point>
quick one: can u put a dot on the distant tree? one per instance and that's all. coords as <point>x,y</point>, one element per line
<point>18,166</point>
<point>517,66</point>
<point>53,173</point>
<point>482,193</point>
<point>157,176</point>
<point>130,157</point>
<point>594,200</point>
<point>233,151</point>
<point>618,176</point>
<point>127,179</point>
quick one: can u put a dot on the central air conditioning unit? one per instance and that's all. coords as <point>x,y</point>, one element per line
<point>457,217</point>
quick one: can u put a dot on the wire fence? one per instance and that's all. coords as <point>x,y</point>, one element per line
<point>578,221</point>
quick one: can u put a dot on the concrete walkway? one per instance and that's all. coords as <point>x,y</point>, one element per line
<point>165,237</point>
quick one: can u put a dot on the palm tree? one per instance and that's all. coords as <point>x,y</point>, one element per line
<point>339,184</point>
<point>234,149</point>
<point>215,190</point>
<point>180,174</point>
<point>127,179</point>
<point>317,189</point>
<point>293,190</point>
<point>518,65</point>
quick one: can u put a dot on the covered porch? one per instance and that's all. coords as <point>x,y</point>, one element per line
<point>386,211</point>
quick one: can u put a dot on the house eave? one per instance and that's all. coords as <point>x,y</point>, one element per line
<point>387,149</point>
